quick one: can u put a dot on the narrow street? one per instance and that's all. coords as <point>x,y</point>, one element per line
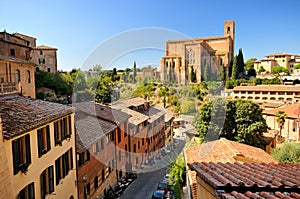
<point>149,177</point>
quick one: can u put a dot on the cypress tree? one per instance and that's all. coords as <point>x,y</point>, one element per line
<point>134,72</point>
<point>193,75</point>
<point>240,63</point>
<point>223,73</point>
<point>235,72</point>
<point>206,73</point>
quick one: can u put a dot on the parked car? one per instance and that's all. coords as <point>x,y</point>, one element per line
<point>164,151</point>
<point>158,194</point>
<point>162,185</point>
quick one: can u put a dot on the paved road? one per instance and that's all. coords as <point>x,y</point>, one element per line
<point>147,181</point>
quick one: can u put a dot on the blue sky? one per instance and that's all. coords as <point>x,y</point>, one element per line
<point>77,28</point>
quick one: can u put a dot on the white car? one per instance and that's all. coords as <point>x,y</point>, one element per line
<point>164,150</point>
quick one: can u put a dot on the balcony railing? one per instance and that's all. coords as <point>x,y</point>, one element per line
<point>7,87</point>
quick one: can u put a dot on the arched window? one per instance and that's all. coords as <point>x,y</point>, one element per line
<point>191,57</point>
<point>27,75</point>
<point>228,30</point>
<point>17,76</point>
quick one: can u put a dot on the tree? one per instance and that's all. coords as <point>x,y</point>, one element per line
<point>249,67</point>
<point>134,72</point>
<point>288,152</point>
<point>193,75</point>
<point>206,73</point>
<point>278,70</point>
<point>297,66</point>
<point>235,70</point>
<point>240,63</point>
<point>261,69</point>
<point>281,116</point>
<point>230,68</point>
<point>188,107</point>
<point>114,75</point>
<point>237,120</point>
<point>223,73</point>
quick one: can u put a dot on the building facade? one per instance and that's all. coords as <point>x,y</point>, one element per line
<point>183,56</point>
<point>39,143</point>
<point>24,47</point>
<point>268,93</point>
<point>45,58</point>
<point>277,59</point>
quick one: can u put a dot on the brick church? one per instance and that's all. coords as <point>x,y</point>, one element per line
<point>183,56</point>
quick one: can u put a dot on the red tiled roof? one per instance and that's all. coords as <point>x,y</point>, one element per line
<point>263,194</point>
<point>105,112</point>
<point>43,47</point>
<point>90,129</point>
<point>135,101</point>
<point>22,114</point>
<point>290,110</point>
<point>224,151</point>
<point>252,177</point>
<point>277,88</point>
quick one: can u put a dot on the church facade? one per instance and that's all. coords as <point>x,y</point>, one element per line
<point>186,56</point>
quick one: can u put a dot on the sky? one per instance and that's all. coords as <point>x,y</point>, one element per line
<point>79,28</point>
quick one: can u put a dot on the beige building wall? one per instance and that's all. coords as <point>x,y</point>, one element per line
<point>204,190</point>
<point>45,58</point>
<point>5,177</point>
<point>290,129</point>
<point>67,185</point>
<point>8,75</point>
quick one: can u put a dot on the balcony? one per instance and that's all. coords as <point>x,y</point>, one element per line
<point>8,87</point>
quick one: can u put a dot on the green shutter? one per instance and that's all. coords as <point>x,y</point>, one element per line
<point>55,132</point>
<point>28,152</point>
<point>31,190</point>
<point>70,125</point>
<point>57,171</point>
<point>71,157</point>
<point>40,141</point>
<point>16,155</point>
<point>63,129</point>
<point>48,137</point>
<point>51,180</point>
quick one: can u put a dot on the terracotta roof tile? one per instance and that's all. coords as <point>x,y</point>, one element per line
<point>248,179</point>
<point>21,114</point>
<point>136,117</point>
<point>224,151</point>
<point>90,129</point>
<point>105,112</point>
<point>43,47</point>
<point>290,110</point>
<point>283,88</point>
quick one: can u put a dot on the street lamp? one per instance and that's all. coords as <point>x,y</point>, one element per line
<point>84,178</point>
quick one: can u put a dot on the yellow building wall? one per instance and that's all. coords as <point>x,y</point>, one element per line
<point>67,185</point>
<point>204,190</point>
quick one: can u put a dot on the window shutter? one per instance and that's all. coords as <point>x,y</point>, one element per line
<point>70,125</point>
<point>16,154</point>
<point>55,132</point>
<point>43,183</point>
<point>51,180</point>
<point>28,152</point>
<point>40,141</point>
<point>63,129</point>
<point>71,158</point>
<point>48,137</point>
<point>31,191</point>
<point>57,171</point>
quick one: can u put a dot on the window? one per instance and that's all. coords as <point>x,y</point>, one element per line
<point>41,52</point>
<point>86,191</point>
<point>17,76</point>
<point>102,144</point>
<point>27,75</point>
<point>42,61</point>
<point>119,135</point>
<point>111,137</point>
<point>102,175</point>
<point>27,192</point>
<point>191,56</point>
<point>62,130</point>
<point>43,135</point>
<point>47,182</point>
<point>12,52</point>
<point>7,37</point>
<point>83,157</point>
<point>21,154</point>
<point>139,145</point>
<point>125,129</point>
<point>143,141</point>
<point>63,165</point>
<point>134,148</point>
<point>96,183</point>
<point>49,70</point>
<point>97,149</point>
<point>120,156</point>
